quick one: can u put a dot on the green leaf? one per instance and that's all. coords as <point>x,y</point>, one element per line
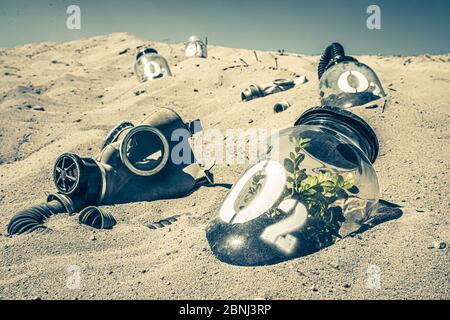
<point>327,185</point>
<point>292,156</point>
<point>301,175</point>
<point>342,194</point>
<point>299,160</point>
<point>353,189</point>
<point>289,165</point>
<point>339,181</point>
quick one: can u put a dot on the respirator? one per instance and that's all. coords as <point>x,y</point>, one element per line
<point>145,162</point>
<point>345,82</point>
<point>150,65</point>
<point>195,47</point>
<point>255,91</point>
<point>312,184</point>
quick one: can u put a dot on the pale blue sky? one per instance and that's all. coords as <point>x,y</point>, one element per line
<point>408,26</point>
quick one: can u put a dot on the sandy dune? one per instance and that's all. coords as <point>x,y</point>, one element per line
<point>65,97</point>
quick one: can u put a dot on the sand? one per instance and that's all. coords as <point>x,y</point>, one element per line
<point>65,97</point>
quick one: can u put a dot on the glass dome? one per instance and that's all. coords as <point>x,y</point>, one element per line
<point>196,47</point>
<point>348,84</point>
<point>311,185</point>
<point>150,65</point>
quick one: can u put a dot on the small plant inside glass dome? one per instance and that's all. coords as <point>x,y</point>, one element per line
<point>318,192</point>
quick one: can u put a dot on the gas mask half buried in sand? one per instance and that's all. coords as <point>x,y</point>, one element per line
<point>150,65</point>
<point>255,91</point>
<point>345,82</point>
<point>137,163</point>
<point>195,47</point>
<point>312,183</point>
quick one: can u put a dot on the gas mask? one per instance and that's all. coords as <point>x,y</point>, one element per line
<point>312,184</point>
<point>195,47</point>
<point>136,163</point>
<point>150,65</point>
<point>256,91</point>
<point>345,82</point>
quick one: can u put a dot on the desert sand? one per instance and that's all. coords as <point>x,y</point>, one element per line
<point>65,97</point>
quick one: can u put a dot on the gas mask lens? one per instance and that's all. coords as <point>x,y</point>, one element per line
<point>349,84</point>
<point>144,150</point>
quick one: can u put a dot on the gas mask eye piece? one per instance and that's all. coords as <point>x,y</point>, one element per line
<point>312,183</point>
<point>345,82</point>
<point>196,47</point>
<point>150,65</point>
<point>144,150</point>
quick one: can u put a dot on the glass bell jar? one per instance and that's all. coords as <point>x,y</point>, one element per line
<point>150,65</point>
<point>196,47</point>
<point>345,82</point>
<point>311,185</point>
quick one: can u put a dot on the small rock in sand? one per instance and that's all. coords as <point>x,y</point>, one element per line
<point>334,264</point>
<point>124,51</point>
<point>139,92</point>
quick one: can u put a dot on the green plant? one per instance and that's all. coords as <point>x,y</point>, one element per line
<point>317,192</point>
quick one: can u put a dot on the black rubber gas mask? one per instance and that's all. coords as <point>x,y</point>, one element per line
<point>345,82</point>
<point>136,163</point>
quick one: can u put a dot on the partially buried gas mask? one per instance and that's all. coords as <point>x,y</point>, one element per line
<point>196,47</point>
<point>136,163</point>
<point>312,183</point>
<point>150,65</point>
<point>345,82</point>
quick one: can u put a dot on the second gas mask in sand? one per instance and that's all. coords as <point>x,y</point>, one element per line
<point>150,65</point>
<point>196,47</point>
<point>136,163</point>
<point>312,184</point>
<point>146,162</point>
<point>345,82</point>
